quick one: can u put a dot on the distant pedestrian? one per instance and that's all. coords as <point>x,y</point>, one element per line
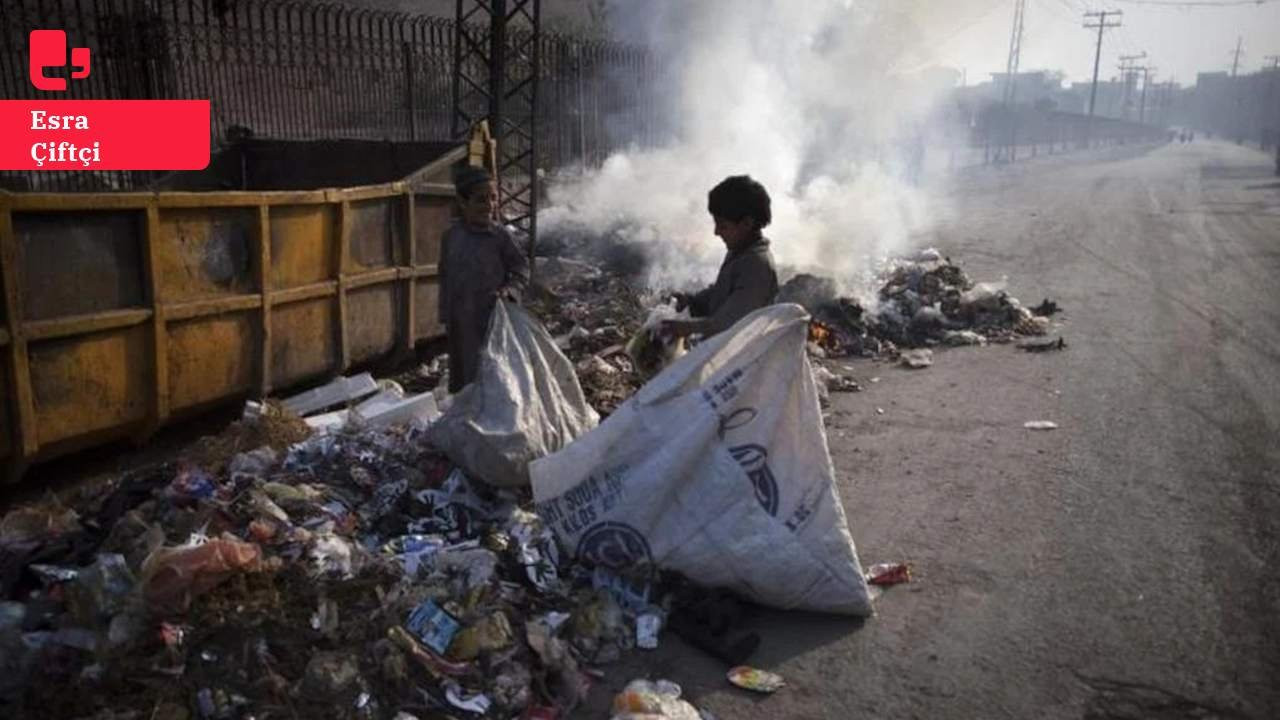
<point>748,281</point>
<point>479,264</point>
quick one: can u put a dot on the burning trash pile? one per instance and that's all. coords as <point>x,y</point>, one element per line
<point>923,302</point>
<point>354,574</point>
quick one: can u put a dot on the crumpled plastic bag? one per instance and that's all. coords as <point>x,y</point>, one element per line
<point>525,403</point>
<point>650,351</point>
<point>38,523</point>
<point>645,700</point>
<point>173,576</point>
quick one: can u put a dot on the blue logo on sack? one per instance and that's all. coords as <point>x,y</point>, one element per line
<point>754,460</point>
<point>614,545</point>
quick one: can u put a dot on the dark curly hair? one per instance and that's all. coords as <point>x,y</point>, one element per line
<point>738,197</point>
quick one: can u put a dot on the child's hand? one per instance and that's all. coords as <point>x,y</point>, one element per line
<point>679,328</point>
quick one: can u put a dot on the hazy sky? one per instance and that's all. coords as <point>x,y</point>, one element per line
<point>1179,41</point>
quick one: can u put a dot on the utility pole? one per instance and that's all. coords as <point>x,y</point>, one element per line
<point>1011,76</point>
<point>1270,113</point>
<point>1102,24</point>
<point>1147,72</point>
<point>1127,72</point>
<point>1235,89</point>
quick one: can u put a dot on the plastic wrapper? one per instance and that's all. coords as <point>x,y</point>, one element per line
<point>647,700</point>
<point>537,550</point>
<point>435,627</point>
<point>490,633</point>
<point>37,523</point>
<point>102,589</point>
<point>414,550</point>
<point>649,349</point>
<point>332,556</point>
<point>885,574</point>
<point>434,664</point>
<point>477,703</point>
<point>191,484</point>
<point>172,576</point>
<point>761,681</point>
<point>648,625</point>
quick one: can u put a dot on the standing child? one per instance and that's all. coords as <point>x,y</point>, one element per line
<point>479,264</point>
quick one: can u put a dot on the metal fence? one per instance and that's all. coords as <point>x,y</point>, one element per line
<point>1004,134</point>
<point>295,70</point>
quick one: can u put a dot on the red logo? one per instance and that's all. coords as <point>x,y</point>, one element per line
<point>59,134</point>
<point>49,50</point>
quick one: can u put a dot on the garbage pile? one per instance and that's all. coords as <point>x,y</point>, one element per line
<point>354,574</point>
<point>592,313</point>
<point>922,302</point>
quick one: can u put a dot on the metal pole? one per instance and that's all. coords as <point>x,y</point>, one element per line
<point>408,72</point>
<point>1097,59</point>
<point>1142,109</point>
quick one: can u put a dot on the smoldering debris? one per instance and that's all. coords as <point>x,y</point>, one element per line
<point>920,303</point>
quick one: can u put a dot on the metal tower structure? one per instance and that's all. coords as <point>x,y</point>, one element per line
<point>495,78</point>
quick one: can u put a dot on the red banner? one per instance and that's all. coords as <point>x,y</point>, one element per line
<point>104,134</point>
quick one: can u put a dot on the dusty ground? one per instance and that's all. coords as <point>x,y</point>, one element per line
<point>1125,565</point>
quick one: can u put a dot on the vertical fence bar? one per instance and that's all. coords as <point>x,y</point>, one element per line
<point>408,87</point>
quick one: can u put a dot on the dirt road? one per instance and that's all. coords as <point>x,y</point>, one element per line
<point>1125,565</point>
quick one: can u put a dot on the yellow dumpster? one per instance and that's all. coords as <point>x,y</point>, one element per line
<point>279,264</point>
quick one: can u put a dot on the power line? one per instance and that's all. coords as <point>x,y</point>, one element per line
<point>1196,3</point>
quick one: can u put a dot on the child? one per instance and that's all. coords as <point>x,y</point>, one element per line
<point>479,264</point>
<point>740,208</point>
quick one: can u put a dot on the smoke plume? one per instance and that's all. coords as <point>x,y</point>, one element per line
<point>821,101</point>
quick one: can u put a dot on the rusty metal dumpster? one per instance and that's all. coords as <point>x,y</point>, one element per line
<point>124,311</point>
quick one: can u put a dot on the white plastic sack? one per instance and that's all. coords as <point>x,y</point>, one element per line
<point>718,469</point>
<point>524,404</point>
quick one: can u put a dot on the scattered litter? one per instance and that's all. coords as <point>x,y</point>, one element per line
<point>1040,425</point>
<point>886,574</point>
<point>963,337</point>
<point>761,681</point>
<point>339,390</point>
<point>346,566</point>
<point>648,625</point>
<point>650,700</point>
<point>917,359</point>
<point>476,703</point>
<point>1047,308</point>
<point>1038,346</point>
